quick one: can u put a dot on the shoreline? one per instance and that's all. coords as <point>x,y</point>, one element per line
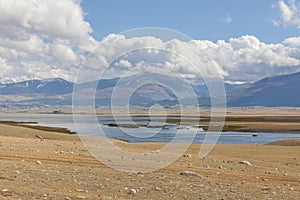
<point>238,119</point>
<point>64,131</point>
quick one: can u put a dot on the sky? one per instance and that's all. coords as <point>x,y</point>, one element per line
<point>210,20</point>
<point>239,41</point>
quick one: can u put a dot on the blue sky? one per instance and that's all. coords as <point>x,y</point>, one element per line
<point>197,18</point>
<point>244,40</point>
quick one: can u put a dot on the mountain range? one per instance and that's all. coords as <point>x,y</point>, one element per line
<point>281,90</point>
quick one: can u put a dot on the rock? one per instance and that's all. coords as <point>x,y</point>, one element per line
<point>158,189</point>
<point>245,162</point>
<point>187,155</point>
<point>190,173</point>
<point>155,151</point>
<point>38,162</point>
<point>68,198</point>
<point>81,197</point>
<point>132,191</point>
<point>5,192</point>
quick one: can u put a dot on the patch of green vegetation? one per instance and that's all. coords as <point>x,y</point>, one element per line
<point>41,128</point>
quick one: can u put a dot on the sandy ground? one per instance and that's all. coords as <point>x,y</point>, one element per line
<point>59,167</point>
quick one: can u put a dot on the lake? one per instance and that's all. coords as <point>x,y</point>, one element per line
<point>159,131</point>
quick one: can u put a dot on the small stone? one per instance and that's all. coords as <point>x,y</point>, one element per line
<point>156,151</point>
<point>187,155</point>
<point>274,193</point>
<point>38,162</point>
<point>264,179</point>
<point>81,197</point>
<point>158,189</point>
<point>5,192</point>
<point>68,198</point>
<point>245,162</point>
<point>265,189</point>
<point>190,173</point>
<point>132,191</point>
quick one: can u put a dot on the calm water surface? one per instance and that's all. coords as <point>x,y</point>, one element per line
<point>86,126</point>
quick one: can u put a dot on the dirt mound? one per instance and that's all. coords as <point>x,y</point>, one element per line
<point>295,142</point>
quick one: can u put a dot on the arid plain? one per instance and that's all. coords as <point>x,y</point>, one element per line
<point>45,164</point>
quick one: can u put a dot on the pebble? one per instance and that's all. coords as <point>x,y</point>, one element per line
<point>81,197</point>
<point>187,155</point>
<point>245,162</point>
<point>156,151</point>
<point>5,192</point>
<point>132,191</point>
<point>38,162</point>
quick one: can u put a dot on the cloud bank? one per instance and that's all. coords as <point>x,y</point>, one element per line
<point>51,38</point>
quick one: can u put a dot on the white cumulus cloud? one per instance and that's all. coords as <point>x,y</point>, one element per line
<point>37,35</point>
<point>293,41</point>
<point>290,13</point>
<point>243,59</point>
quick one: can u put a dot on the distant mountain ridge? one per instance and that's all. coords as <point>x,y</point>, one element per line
<point>281,90</point>
<point>47,87</point>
